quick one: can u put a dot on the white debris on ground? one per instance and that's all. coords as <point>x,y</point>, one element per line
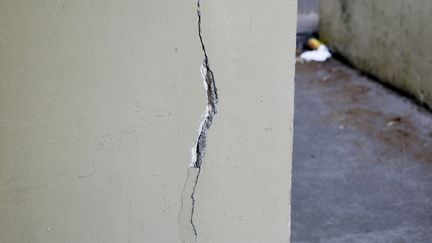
<point>319,52</point>
<point>319,55</point>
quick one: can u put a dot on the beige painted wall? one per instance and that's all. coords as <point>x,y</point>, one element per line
<point>388,38</point>
<point>100,103</point>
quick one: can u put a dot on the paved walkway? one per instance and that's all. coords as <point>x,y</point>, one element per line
<point>362,169</point>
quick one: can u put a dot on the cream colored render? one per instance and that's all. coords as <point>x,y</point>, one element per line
<point>100,104</point>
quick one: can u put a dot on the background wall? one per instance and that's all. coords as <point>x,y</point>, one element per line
<point>389,39</point>
<point>100,103</point>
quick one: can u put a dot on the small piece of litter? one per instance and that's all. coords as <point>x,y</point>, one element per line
<point>390,123</point>
<point>394,121</point>
<point>319,55</point>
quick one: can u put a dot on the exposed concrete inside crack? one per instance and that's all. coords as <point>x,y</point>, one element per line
<point>189,234</point>
<point>198,149</point>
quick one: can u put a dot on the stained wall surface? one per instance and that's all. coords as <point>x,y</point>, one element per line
<point>100,103</point>
<point>389,39</point>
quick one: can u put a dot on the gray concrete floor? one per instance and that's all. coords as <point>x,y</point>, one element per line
<point>362,169</point>
<point>307,18</point>
<point>307,6</point>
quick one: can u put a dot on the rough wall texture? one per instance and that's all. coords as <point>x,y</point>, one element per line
<point>100,104</point>
<point>389,39</point>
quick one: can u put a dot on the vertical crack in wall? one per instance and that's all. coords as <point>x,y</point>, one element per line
<point>199,147</point>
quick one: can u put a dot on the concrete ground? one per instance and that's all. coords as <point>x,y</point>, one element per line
<point>307,6</point>
<point>362,169</point>
<point>307,18</point>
